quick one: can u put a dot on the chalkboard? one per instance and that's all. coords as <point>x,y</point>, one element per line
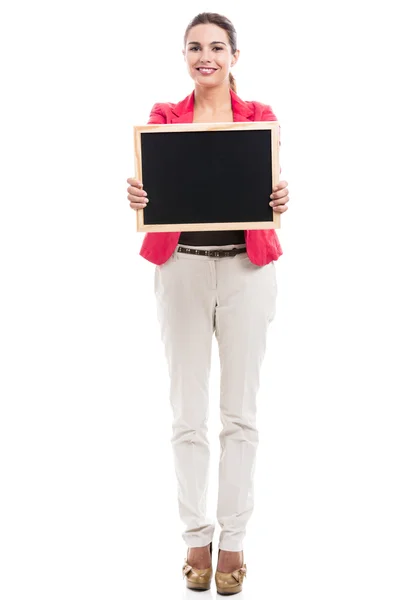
<point>206,176</point>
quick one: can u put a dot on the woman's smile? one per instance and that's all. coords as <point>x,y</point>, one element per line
<point>206,70</point>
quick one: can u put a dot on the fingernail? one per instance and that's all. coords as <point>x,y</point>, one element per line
<point>271,203</point>
<point>271,195</point>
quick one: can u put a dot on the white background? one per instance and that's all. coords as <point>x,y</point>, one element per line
<point>88,502</point>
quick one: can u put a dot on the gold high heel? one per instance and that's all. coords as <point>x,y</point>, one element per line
<point>230,583</point>
<point>198,579</point>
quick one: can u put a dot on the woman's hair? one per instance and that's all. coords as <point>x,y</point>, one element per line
<point>224,23</point>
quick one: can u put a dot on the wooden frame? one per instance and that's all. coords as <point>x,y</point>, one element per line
<point>140,130</point>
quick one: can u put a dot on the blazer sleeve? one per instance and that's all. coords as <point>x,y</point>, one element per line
<point>157,115</point>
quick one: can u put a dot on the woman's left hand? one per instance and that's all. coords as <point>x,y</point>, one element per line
<point>279,197</point>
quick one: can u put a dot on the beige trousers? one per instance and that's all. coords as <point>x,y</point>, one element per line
<point>198,296</point>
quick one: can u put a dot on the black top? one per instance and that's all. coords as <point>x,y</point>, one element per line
<point>212,238</point>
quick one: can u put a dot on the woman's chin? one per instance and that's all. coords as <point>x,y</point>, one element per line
<point>207,82</point>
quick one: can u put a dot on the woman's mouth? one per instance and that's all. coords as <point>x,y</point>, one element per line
<point>206,70</point>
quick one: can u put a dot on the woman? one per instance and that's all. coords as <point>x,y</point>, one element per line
<point>233,295</point>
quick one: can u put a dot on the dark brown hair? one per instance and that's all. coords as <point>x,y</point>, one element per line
<point>224,23</point>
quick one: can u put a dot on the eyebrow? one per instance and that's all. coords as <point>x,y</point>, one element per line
<point>198,43</point>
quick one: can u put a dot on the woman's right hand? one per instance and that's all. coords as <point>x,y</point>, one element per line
<point>136,195</point>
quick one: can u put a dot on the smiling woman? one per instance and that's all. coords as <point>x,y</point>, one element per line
<point>205,282</point>
<point>216,48</point>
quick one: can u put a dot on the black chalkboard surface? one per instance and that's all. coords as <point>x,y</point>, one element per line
<point>205,176</point>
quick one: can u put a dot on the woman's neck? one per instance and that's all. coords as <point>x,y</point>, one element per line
<point>213,100</point>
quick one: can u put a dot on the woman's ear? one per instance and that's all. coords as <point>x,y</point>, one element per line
<point>235,58</point>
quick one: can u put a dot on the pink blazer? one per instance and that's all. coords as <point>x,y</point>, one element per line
<point>262,245</point>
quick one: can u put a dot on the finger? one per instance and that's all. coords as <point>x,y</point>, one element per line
<point>279,202</point>
<point>137,200</point>
<point>134,191</point>
<point>279,194</point>
<point>135,183</point>
<point>281,185</point>
<point>281,208</point>
<point>137,206</point>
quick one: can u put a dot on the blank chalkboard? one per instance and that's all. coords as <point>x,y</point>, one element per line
<point>206,177</point>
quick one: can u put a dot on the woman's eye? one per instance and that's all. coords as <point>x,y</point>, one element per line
<point>197,48</point>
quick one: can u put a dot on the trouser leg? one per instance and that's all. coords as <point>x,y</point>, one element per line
<point>246,305</point>
<point>185,304</point>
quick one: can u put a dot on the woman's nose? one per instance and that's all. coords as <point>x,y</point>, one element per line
<point>205,57</point>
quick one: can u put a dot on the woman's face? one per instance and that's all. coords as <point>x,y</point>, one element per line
<point>208,55</point>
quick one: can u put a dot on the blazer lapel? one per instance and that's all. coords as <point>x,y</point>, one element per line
<point>183,111</point>
<point>241,110</point>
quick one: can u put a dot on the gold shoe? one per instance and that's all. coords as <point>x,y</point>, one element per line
<point>230,583</point>
<point>197,579</point>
